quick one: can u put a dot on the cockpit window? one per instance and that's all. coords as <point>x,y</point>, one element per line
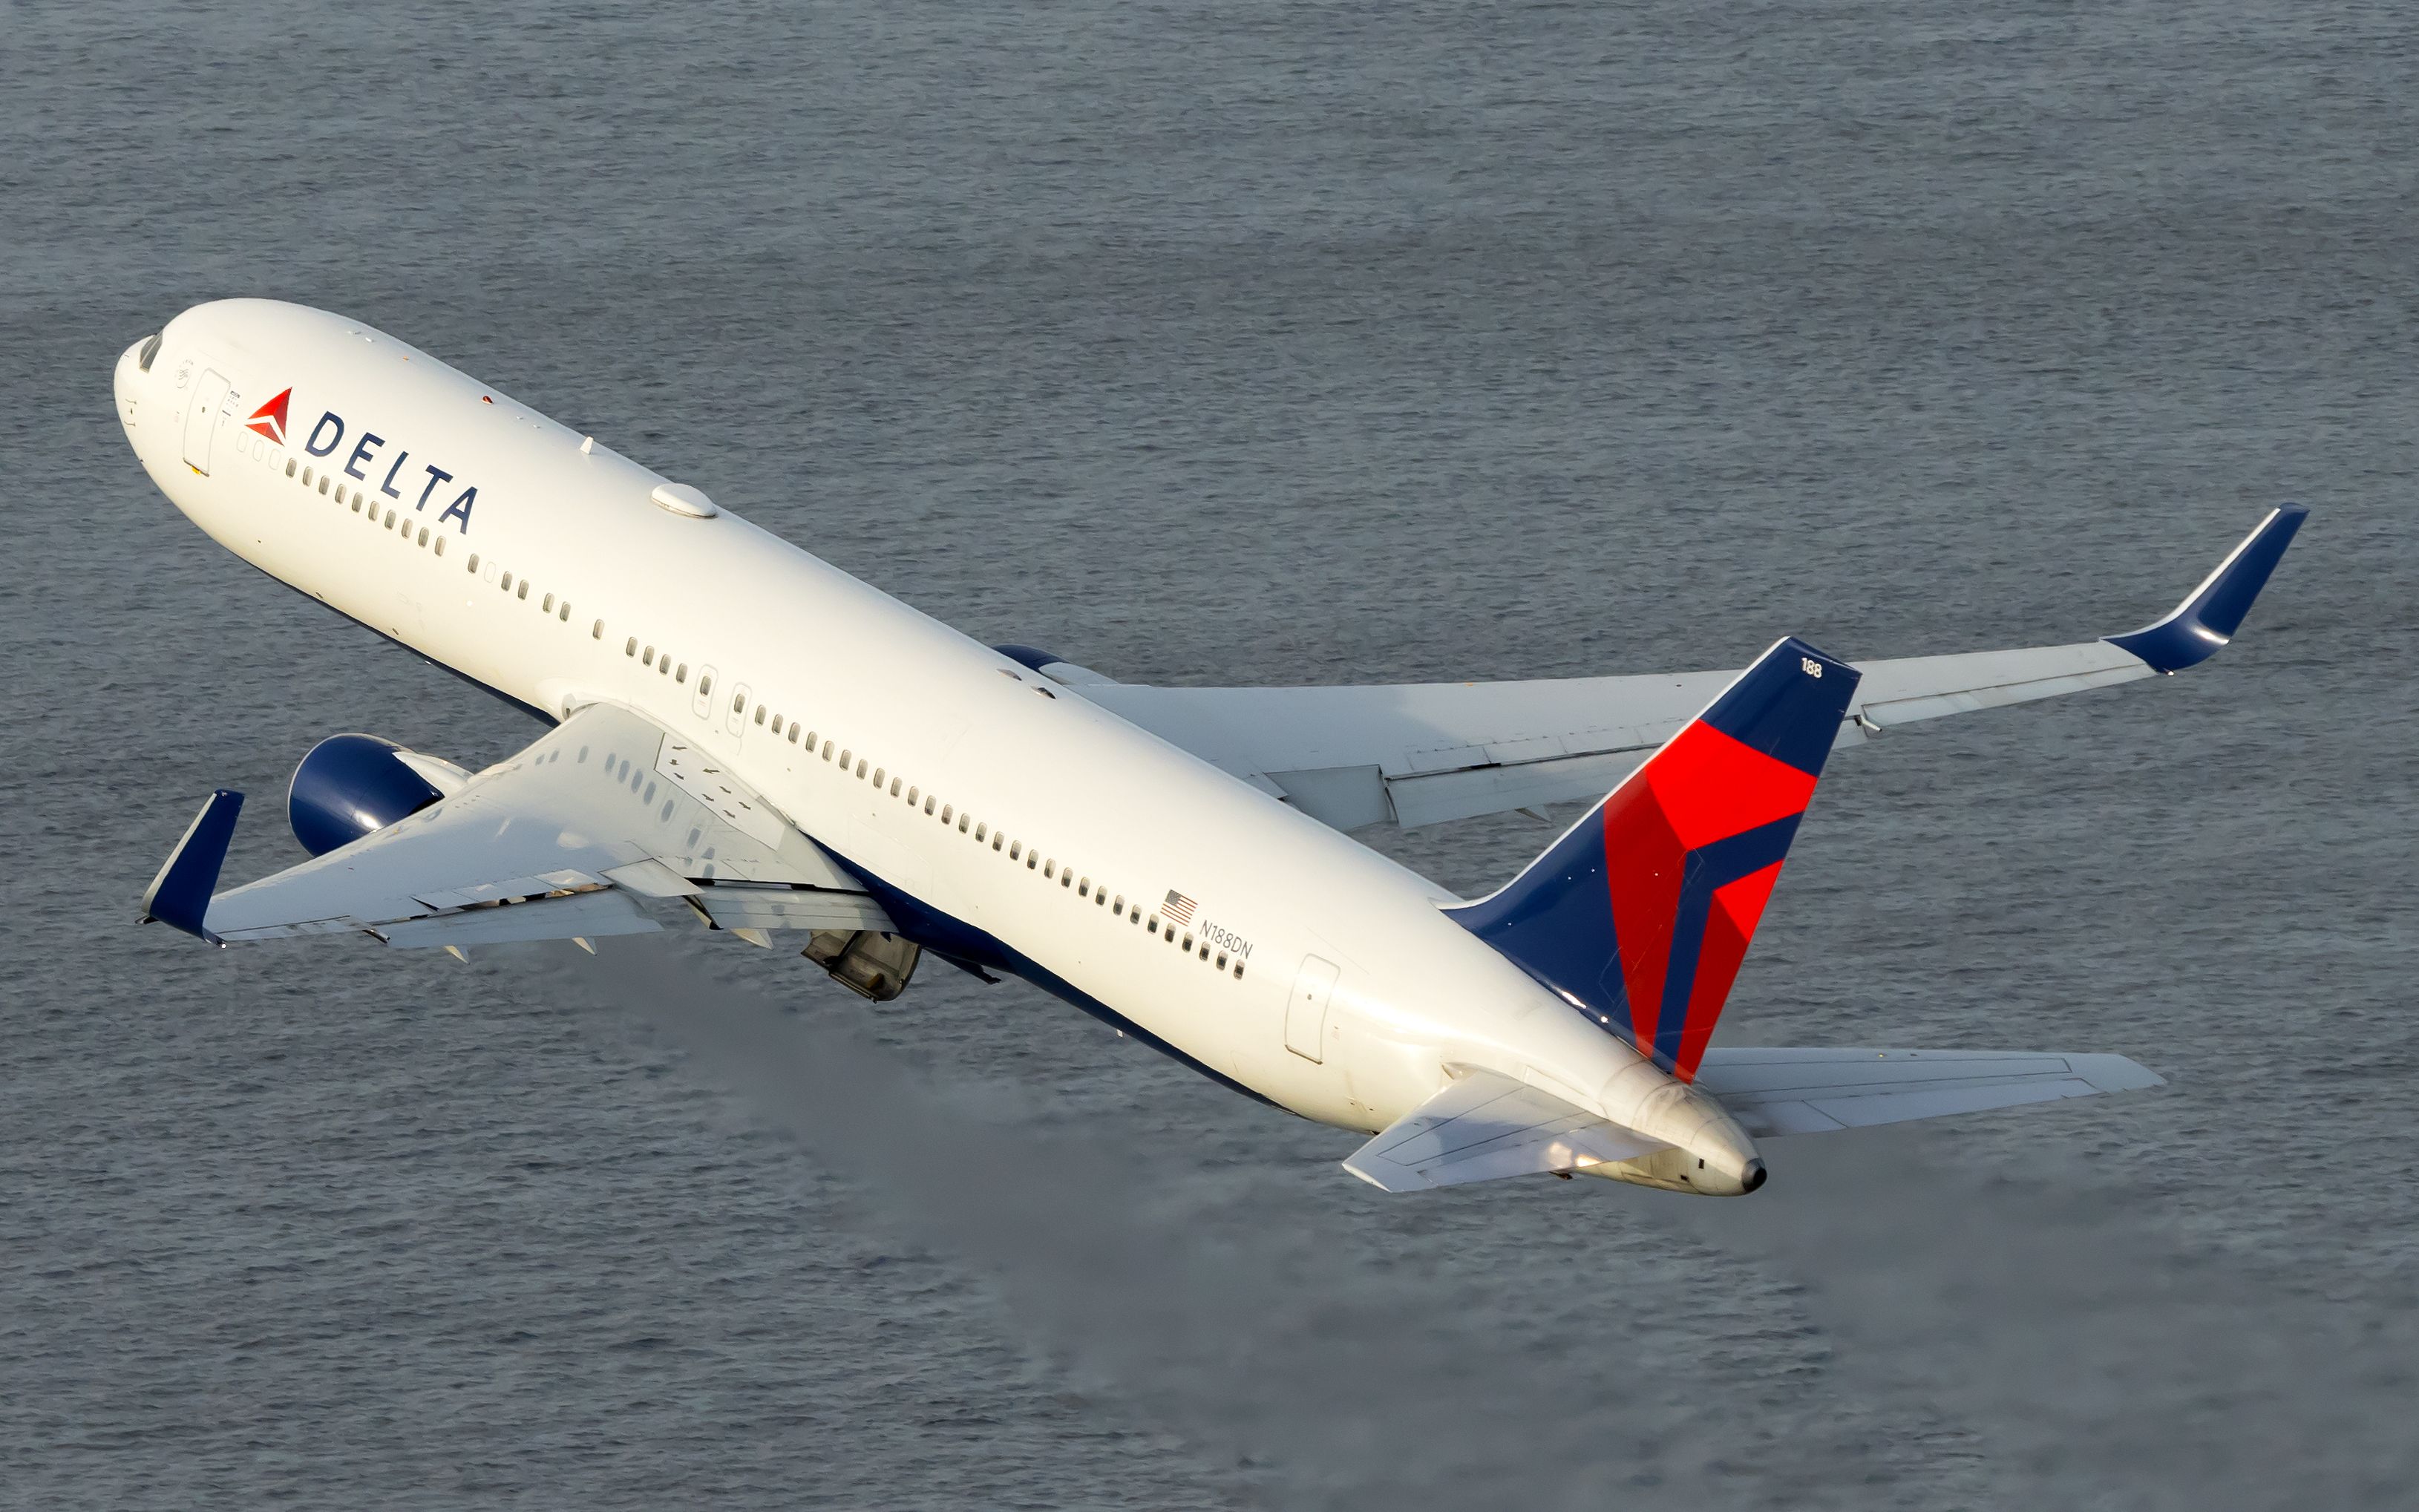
<point>150,350</point>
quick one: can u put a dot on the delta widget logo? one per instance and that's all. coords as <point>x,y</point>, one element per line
<point>269,419</point>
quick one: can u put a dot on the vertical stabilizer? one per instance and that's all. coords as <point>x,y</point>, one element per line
<point>1640,914</point>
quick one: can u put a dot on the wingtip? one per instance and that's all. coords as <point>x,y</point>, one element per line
<point>179,896</point>
<point>2201,625</point>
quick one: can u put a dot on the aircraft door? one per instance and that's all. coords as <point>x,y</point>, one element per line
<point>202,419</point>
<point>1306,1020</point>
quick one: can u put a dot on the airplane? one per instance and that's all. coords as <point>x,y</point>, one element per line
<point>1176,862</point>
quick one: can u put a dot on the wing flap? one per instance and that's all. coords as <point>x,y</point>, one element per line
<point>788,908</point>
<point>1483,1126</point>
<point>1796,1091</point>
<point>582,914</point>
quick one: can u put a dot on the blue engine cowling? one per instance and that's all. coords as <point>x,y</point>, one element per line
<point>349,786</point>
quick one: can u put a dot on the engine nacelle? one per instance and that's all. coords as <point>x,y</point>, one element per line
<point>353,785</point>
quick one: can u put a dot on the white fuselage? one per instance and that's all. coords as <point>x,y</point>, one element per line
<point>755,630</point>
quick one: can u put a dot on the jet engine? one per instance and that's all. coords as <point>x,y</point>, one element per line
<point>352,785</point>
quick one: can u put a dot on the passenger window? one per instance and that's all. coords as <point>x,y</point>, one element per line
<point>598,633</point>
<point>1049,870</point>
<point>440,551</point>
<point>664,665</point>
<point>1067,879</point>
<point>306,477</point>
<point>563,611</point>
<point>1084,889</point>
<point>929,803</point>
<point>647,657</point>
<point>1188,942</point>
<point>507,582</point>
<point>1119,906</point>
<point>793,733</point>
<point>547,608</point>
<point>827,748</point>
<point>629,647</point>
<point>323,484</point>
<point>522,592</point>
<point>1032,859</point>
<point>423,535</point>
<point>911,797</point>
<point>1239,971</point>
<point>1222,960</point>
<point>705,681</point>
<point>994,839</point>
<point>289,467</point>
<point>473,565</point>
<point>860,767</point>
<point>777,724</point>
<point>738,703</point>
<point>877,776</point>
<point>682,675</point>
<point>1016,852</point>
<point>759,714</point>
<point>894,785</point>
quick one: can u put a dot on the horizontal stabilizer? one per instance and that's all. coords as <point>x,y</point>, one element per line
<point>1485,1125</point>
<point>1819,1091</point>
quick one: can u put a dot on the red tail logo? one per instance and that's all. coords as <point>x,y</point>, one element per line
<point>269,419</point>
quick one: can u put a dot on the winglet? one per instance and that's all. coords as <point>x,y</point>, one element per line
<point>179,896</point>
<point>2206,620</point>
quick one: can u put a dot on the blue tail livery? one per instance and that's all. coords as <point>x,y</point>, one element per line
<point>1640,914</point>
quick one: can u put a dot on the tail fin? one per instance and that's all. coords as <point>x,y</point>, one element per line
<point>1639,915</point>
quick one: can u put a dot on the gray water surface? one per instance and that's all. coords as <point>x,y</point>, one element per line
<point>1251,342</point>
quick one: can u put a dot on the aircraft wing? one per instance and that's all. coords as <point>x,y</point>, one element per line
<point>1485,1125</point>
<point>556,842</point>
<point>1423,753</point>
<point>1818,1091</point>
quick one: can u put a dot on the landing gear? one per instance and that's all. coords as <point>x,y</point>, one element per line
<point>868,962</point>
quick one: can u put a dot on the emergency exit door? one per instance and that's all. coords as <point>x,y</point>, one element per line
<point>1305,1021</point>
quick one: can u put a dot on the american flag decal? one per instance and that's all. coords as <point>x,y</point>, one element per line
<point>1178,907</point>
